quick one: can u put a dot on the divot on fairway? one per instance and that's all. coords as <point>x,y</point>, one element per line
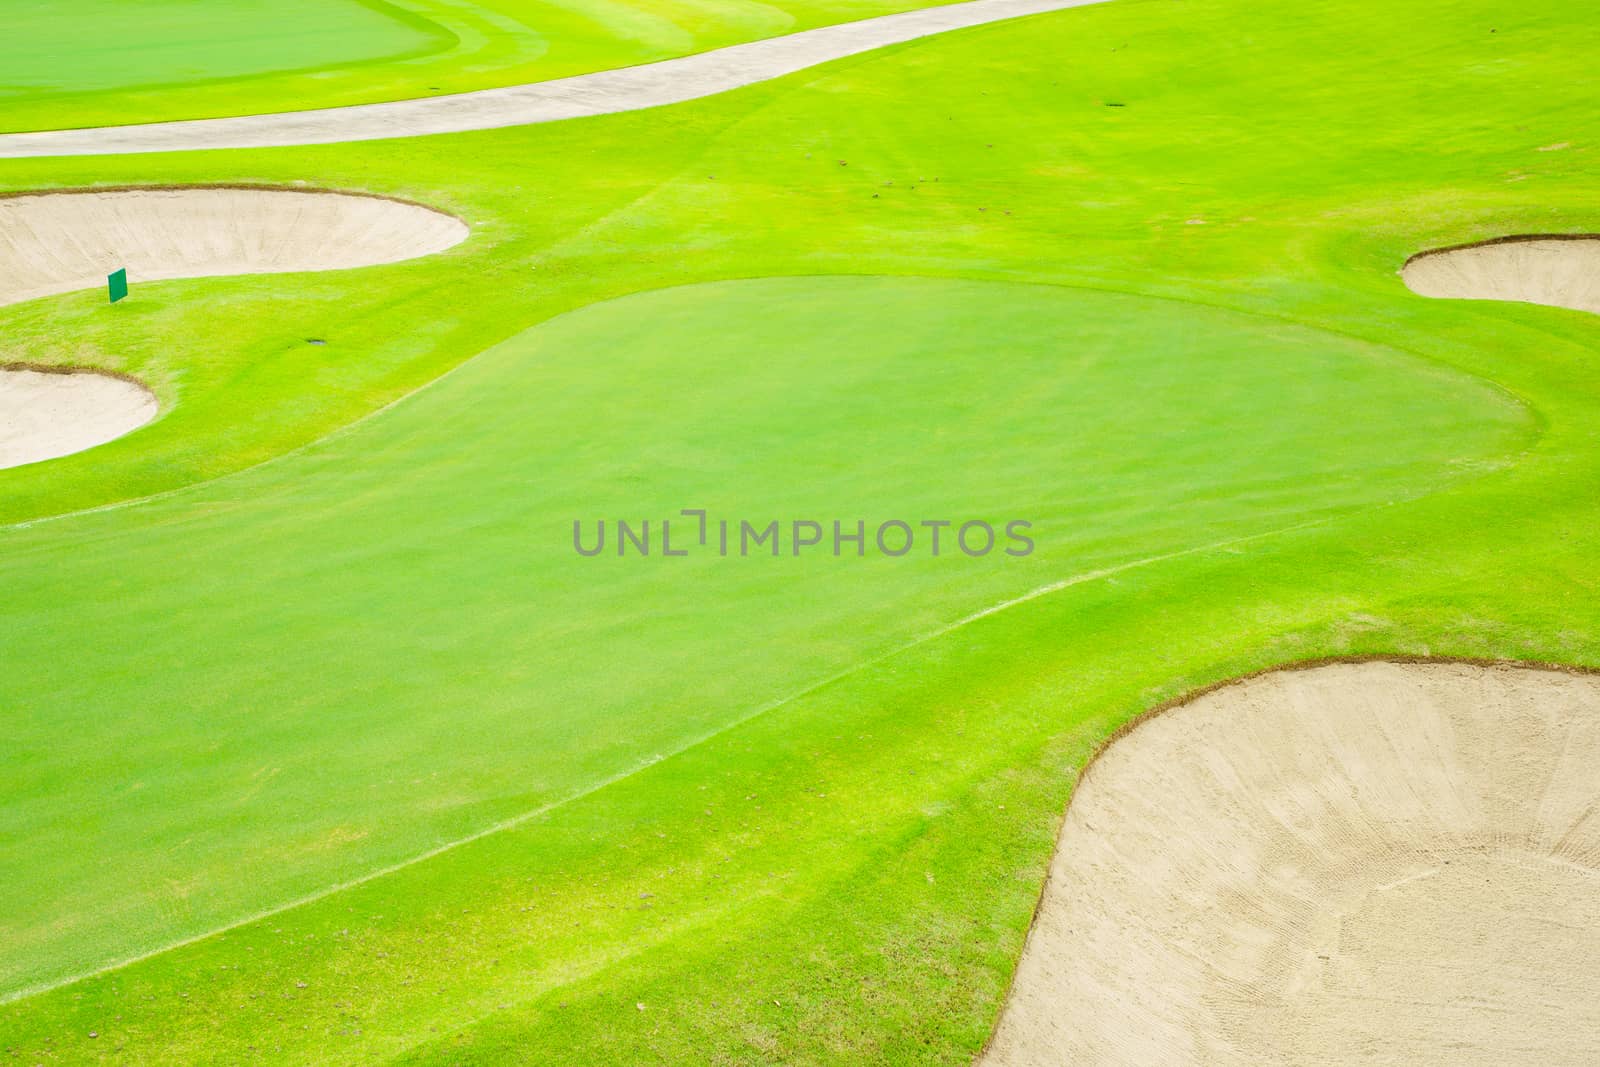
<point>1556,270</point>
<point>1370,862</point>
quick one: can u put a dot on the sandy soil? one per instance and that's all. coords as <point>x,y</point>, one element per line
<point>1559,271</point>
<point>601,93</point>
<point>1351,864</point>
<point>60,242</point>
<point>45,415</point>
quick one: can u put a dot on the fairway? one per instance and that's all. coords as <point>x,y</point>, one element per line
<point>349,714</point>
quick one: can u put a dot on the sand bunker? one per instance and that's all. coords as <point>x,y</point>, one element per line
<point>60,242</point>
<point>1350,864</point>
<point>1558,270</point>
<point>601,93</point>
<point>48,414</point>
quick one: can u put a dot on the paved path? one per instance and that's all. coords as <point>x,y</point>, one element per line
<point>601,93</point>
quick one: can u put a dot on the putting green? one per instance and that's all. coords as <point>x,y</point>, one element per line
<point>522,673</point>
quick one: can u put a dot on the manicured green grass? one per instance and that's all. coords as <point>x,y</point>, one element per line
<point>101,62</point>
<point>72,63</point>
<point>767,810</point>
<point>113,46</point>
<point>519,673</point>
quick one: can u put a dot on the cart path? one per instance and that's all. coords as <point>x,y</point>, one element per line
<point>602,93</point>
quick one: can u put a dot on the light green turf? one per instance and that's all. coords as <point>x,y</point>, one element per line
<point>519,673</point>
<point>73,63</point>
<point>751,801</point>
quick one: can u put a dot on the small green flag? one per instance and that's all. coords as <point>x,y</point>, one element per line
<point>117,283</point>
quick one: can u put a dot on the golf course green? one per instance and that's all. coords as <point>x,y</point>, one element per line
<point>320,740</point>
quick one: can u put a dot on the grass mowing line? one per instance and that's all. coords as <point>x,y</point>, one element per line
<point>1080,348</point>
<point>150,498</point>
<point>527,816</point>
<point>478,44</point>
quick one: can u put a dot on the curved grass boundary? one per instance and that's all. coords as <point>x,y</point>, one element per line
<point>476,44</point>
<point>604,93</point>
<point>905,894</point>
<point>229,38</point>
<point>59,241</point>
<point>465,446</point>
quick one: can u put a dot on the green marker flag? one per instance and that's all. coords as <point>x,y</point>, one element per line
<point>117,283</point>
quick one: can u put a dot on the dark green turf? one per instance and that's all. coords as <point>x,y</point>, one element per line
<point>807,835</point>
<point>517,673</point>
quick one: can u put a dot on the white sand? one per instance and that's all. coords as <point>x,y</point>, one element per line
<point>1354,864</point>
<point>45,415</point>
<point>1558,271</point>
<point>60,242</point>
<point>601,93</point>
